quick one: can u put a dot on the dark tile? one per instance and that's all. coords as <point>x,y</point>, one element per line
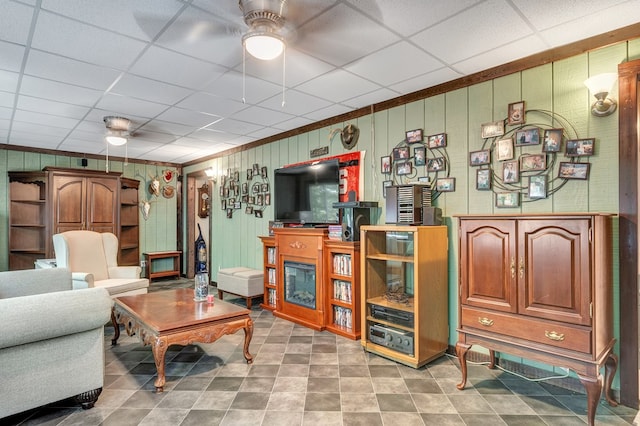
<point>442,419</point>
<point>296,358</point>
<point>395,402</point>
<point>545,405</point>
<point>563,420</point>
<point>225,384</point>
<point>323,384</point>
<point>130,417</point>
<point>324,348</point>
<point>491,387</point>
<point>193,384</point>
<point>250,401</point>
<point>277,339</point>
<point>301,339</point>
<point>422,386</point>
<point>361,419</point>
<point>203,417</point>
<point>354,371</point>
<point>263,371</point>
<point>144,368</point>
<point>481,419</point>
<point>384,371</point>
<point>322,402</point>
<point>520,420</point>
<point>144,399</point>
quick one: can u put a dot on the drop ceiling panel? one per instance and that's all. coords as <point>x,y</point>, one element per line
<point>9,81</point>
<point>11,55</point>
<point>6,100</point>
<point>175,68</point>
<point>62,92</point>
<point>338,86</point>
<point>230,84</point>
<point>15,29</point>
<point>189,118</point>
<point>150,90</point>
<point>499,25</point>
<point>65,70</point>
<point>204,102</point>
<point>427,80</point>
<point>371,98</point>
<point>84,42</point>
<point>235,127</point>
<point>45,119</point>
<point>544,14</point>
<point>393,64</point>
<point>296,102</point>
<point>299,67</point>
<point>122,105</point>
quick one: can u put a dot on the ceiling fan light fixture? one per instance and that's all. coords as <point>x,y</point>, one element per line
<point>264,45</point>
<point>116,140</point>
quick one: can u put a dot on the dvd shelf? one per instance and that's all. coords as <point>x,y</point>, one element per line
<point>343,287</point>
<point>270,273</point>
<point>404,306</point>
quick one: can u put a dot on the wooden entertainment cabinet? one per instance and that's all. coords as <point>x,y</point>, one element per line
<point>540,287</point>
<point>313,281</point>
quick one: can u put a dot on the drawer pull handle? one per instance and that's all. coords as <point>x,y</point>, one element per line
<point>485,321</point>
<point>559,337</point>
<point>513,268</point>
<point>521,268</point>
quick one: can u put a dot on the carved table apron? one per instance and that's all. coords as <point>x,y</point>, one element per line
<point>171,317</point>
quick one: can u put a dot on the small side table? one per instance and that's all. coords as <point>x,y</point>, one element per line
<point>155,255</point>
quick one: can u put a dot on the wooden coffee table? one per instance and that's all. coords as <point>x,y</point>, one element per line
<point>172,317</point>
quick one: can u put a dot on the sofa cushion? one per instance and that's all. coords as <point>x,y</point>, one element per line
<point>34,281</point>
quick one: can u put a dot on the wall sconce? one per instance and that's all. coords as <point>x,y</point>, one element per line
<point>211,174</point>
<point>600,85</point>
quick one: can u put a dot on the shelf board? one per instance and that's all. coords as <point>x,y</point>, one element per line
<point>28,251</point>
<point>341,277</point>
<point>27,225</point>
<point>128,246</point>
<point>382,301</point>
<point>29,201</point>
<point>342,303</point>
<point>128,225</point>
<point>390,257</point>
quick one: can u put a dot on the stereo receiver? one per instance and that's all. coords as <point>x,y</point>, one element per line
<point>392,338</point>
<point>395,316</point>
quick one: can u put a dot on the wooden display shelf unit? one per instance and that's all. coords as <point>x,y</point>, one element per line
<point>342,287</point>
<point>269,252</point>
<point>404,305</point>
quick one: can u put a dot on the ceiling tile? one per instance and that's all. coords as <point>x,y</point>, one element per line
<point>430,79</point>
<point>205,102</point>
<point>409,16</point>
<point>371,98</point>
<point>62,92</point>
<point>166,127</point>
<point>171,67</point>
<point>7,99</point>
<point>16,29</point>
<point>299,67</point>
<point>327,112</point>
<point>544,14</point>
<point>124,16</point>
<point>234,126</point>
<point>262,116</point>
<point>189,118</point>
<point>45,119</point>
<point>230,84</point>
<point>337,86</point>
<point>400,61</point>
<point>324,37</point>
<point>8,81</point>
<point>122,105</point>
<point>76,40</point>
<point>29,103</point>
<point>296,102</point>
<point>11,55</point>
<point>212,136</point>
<point>500,25</point>
<point>150,90</point>
<point>6,113</point>
<point>65,70</point>
<point>294,123</point>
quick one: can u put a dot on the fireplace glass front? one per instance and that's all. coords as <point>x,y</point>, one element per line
<point>300,284</point>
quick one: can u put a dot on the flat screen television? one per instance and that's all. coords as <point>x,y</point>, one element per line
<point>305,194</point>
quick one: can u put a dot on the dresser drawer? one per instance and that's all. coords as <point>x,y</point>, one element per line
<point>551,333</point>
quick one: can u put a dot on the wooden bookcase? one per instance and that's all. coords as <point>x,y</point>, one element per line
<point>404,304</point>
<point>27,219</point>
<point>129,253</point>
<point>269,252</point>
<point>342,287</point>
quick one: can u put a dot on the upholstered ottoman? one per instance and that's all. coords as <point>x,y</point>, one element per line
<point>240,281</point>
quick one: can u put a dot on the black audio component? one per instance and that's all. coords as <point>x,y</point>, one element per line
<point>432,216</point>
<point>353,215</point>
<point>395,316</point>
<point>404,203</point>
<point>392,338</point>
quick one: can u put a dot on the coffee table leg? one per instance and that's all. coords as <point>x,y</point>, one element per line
<point>248,333</point>
<point>159,347</point>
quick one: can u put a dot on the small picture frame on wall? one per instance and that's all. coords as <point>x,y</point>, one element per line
<point>579,147</point>
<point>249,174</point>
<point>385,185</point>
<point>533,162</point>
<point>413,136</point>
<point>515,113</point>
<point>479,158</point>
<point>504,148</point>
<point>570,170</point>
<point>385,165</point>
<point>419,155</point>
<point>400,153</point>
<point>537,187</point>
<point>258,213</point>
<point>492,129</point>
<point>437,141</point>
<point>403,168</point>
<point>263,172</point>
<point>483,179</point>
<point>507,199</point>
<point>510,171</point>
<point>552,140</point>
<point>435,164</point>
<point>446,184</point>
<point>526,137</point>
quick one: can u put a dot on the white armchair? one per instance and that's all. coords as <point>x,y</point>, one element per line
<point>92,258</point>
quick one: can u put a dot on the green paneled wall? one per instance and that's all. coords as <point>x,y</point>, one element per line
<point>555,88</point>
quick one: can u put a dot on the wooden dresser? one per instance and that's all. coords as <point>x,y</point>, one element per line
<point>539,287</point>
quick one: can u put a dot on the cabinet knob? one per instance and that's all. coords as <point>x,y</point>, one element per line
<point>558,337</point>
<point>485,321</point>
<point>513,267</point>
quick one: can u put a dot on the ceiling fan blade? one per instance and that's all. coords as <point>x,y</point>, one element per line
<point>185,27</point>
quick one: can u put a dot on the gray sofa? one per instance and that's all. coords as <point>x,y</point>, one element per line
<point>51,340</point>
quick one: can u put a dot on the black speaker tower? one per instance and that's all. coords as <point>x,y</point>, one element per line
<point>353,215</point>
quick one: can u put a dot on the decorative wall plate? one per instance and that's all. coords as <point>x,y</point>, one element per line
<point>168,191</point>
<point>167,175</point>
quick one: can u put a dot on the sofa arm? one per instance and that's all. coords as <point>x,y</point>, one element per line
<point>46,316</point>
<point>82,280</point>
<point>125,272</point>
